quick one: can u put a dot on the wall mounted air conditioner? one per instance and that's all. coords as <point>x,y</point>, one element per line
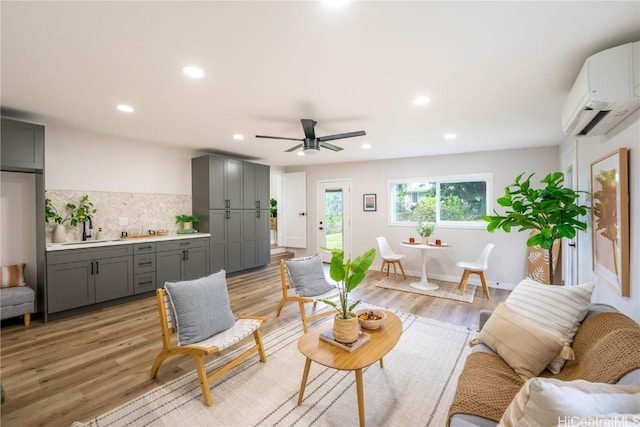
<point>606,91</point>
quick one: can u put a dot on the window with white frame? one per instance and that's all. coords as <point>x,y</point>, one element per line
<point>458,200</point>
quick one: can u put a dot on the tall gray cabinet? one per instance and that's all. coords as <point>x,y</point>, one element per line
<point>231,197</point>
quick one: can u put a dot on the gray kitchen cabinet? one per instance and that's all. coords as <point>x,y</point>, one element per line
<point>220,180</point>
<point>144,267</point>
<point>178,260</point>
<point>255,186</point>
<point>225,220</point>
<point>22,146</point>
<point>81,277</point>
<point>256,243</point>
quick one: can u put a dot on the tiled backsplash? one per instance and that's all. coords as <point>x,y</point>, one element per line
<point>143,211</point>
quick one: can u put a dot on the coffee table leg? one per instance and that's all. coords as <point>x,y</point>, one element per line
<point>305,375</point>
<point>381,363</point>
<point>360,391</point>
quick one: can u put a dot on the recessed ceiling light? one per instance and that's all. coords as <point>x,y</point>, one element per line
<point>365,146</point>
<point>335,3</point>
<point>300,153</point>
<point>193,72</point>
<point>125,108</point>
<point>238,137</point>
<point>450,136</point>
<point>420,100</point>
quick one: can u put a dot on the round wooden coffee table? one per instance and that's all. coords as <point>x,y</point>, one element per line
<point>324,353</point>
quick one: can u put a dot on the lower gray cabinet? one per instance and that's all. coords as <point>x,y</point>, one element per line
<point>181,260</point>
<point>256,244</point>
<point>81,277</point>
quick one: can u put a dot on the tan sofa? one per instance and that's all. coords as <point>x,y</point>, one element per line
<point>605,348</point>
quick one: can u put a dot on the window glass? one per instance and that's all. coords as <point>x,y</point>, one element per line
<point>456,200</point>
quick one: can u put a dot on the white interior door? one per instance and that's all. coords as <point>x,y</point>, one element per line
<point>569,248</point>
<point>294,210</point>
<point>334,217</point>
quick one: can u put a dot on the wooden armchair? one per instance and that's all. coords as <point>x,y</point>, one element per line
<point>242,328</point>
<point>293,292</point>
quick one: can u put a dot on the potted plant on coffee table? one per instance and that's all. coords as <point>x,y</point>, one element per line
<point>552,212</point>
<point>347,276</point>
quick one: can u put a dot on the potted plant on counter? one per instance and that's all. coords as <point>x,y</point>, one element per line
<point>347,275</point>
<point>186,221</point>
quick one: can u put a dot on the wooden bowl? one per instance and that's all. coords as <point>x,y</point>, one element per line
<point>368,322</point>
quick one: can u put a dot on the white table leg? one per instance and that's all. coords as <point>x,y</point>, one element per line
<point>424,284</point>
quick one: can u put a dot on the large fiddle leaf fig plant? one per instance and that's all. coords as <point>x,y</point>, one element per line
<point>552,210</point>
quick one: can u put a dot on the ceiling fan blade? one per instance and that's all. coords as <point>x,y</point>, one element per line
<point>294,148</point>
<point>307,126</point>
<point>279,137</point>
<point>341,135</point>
<point>330,146</point>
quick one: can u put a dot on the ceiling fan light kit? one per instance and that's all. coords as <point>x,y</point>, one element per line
<point>310,143</point>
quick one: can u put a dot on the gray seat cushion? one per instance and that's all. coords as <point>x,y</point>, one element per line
<point>307,276</point>
<point>201,307</point>
<point>17,301</point>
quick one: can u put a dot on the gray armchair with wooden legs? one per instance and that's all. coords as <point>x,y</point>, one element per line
<point>170,324</point>
<point>303,282</point>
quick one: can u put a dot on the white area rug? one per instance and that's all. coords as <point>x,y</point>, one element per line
<point>448,290</point>
<point>415,388</point>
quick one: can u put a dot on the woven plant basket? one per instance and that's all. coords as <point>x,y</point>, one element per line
<point>346,330</point>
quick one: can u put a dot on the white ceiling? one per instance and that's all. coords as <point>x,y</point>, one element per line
<point>497,73</point>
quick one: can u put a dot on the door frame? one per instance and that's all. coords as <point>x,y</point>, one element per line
<point>347,213</point>
<point>569,162</point>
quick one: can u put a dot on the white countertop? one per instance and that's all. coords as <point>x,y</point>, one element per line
<point>115,242</point>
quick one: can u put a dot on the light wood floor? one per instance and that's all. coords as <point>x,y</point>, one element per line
<point>77,368</point>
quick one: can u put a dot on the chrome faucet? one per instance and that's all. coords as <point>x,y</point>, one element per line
<point>86,235</point>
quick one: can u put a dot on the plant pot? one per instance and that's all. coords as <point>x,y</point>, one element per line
<point>187,225</point>
<point>273,223</point>
<point>59,234</point>
<point>346,330</point>
<point>425,240</point>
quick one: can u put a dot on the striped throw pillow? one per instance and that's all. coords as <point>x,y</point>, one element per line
<point>559,309</point>
<point>12,276</point>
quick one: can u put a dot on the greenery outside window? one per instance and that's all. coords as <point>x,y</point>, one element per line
<point>456,201</point>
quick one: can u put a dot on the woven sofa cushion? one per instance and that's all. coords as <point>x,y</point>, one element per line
<point>526,347</point>
<point>543,402</point>
<point>201,307</point>
<point>307,276</point>
<point>559,309</point>
<point>12,276</point>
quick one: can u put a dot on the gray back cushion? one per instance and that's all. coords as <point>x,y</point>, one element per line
<point>201,307</point>
<point>307,276</point>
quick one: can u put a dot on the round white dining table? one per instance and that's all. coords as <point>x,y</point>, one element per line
<point>424,283</point>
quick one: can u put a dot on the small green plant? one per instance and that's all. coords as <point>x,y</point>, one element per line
<point>273,210</point>
<point>425,228</point>
<point>76,214</point>
<point>347,276</point>
<point>181,219</point>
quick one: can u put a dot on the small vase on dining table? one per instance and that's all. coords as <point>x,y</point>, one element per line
<point>425,240</point>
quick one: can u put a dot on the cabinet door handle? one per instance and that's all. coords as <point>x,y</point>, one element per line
<point>92,268</point>
<point>144,263</point>
<point>227,215</point>
<point>257,214</point>
<point>186,254</point>
<point>148,282</point>
<point>227,203</point>
<point>97,268</point>
<point>144,247</point>
<point>185,243</point>
<point>258,204</point>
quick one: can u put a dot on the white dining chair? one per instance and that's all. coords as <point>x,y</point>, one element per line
<point>389,258</point>
<point>477,267</point>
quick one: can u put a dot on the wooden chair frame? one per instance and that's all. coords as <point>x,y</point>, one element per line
<point>170,348</point>
<point>289,295</point>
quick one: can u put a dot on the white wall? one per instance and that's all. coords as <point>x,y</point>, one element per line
<point>18,243</point>
<point>627,134</point>
<point>86,161</point>
<point>507,264</point>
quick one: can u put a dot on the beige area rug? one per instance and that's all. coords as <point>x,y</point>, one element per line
<point>448,290</point>
<point>415,387</point>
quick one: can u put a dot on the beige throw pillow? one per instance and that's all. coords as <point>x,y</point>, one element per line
<point>543,402</point>
<point>526,347</point>
<point>12,276</point>
<point>558,309</point>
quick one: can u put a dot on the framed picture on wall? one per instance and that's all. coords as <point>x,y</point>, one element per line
<point>369,202</point>
<point>610,219</point>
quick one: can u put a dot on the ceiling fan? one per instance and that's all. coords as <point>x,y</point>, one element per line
<point>311,143</point>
